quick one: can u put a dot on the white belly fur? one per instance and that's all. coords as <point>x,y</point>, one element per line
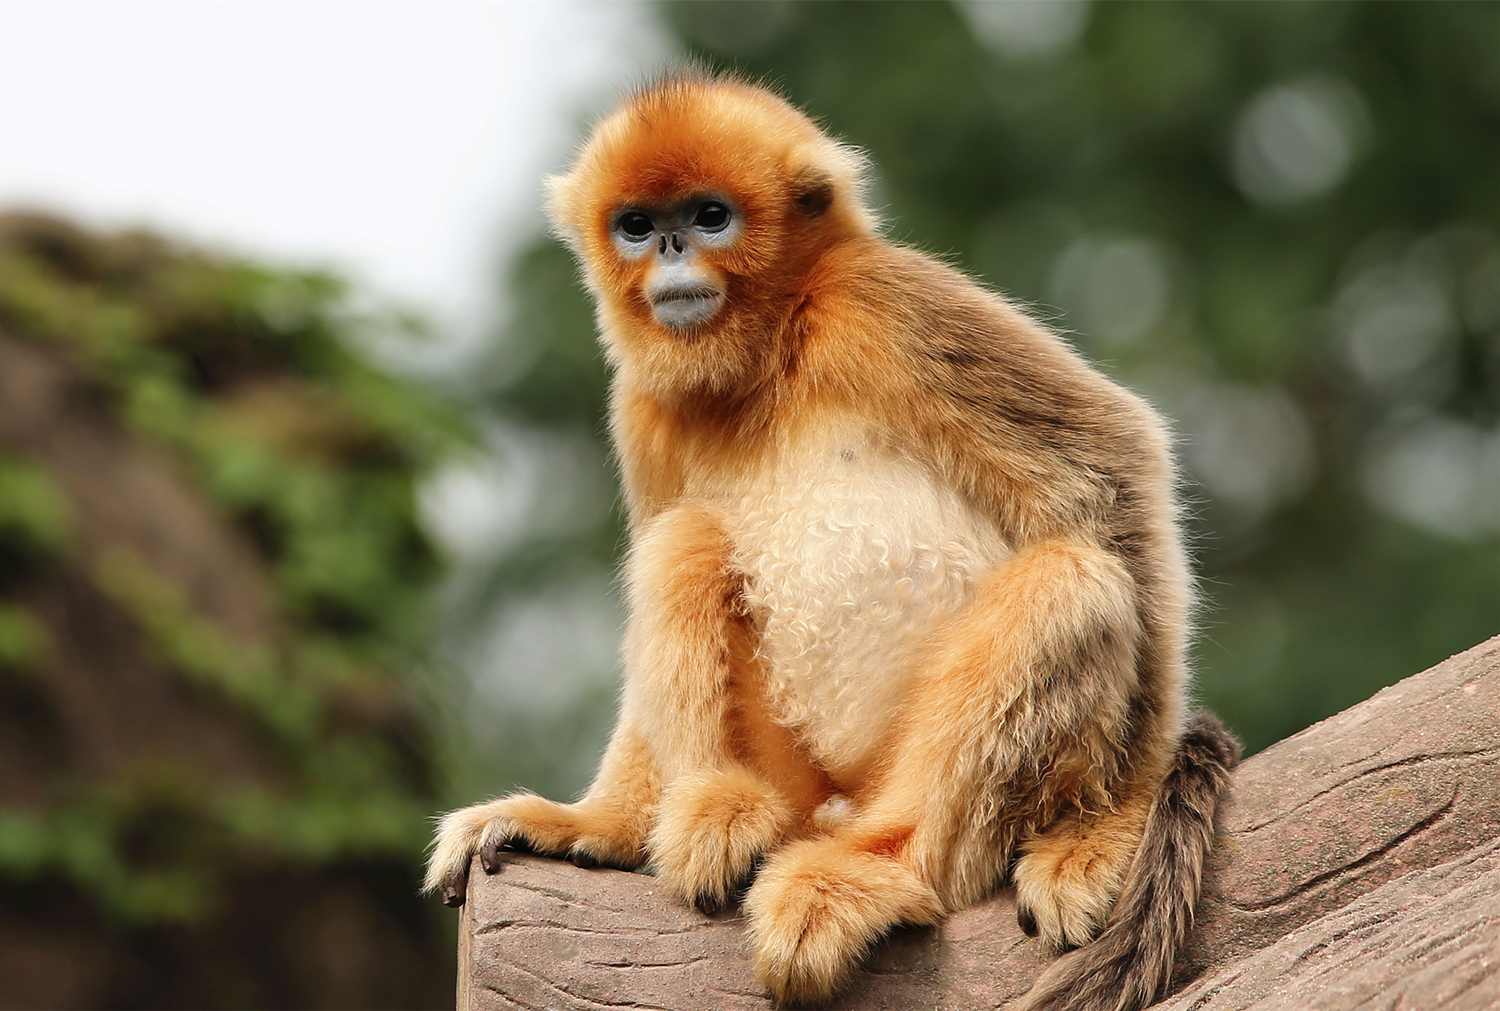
<point>852,555</point>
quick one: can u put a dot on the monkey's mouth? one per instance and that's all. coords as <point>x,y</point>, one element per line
<point>680,308</point>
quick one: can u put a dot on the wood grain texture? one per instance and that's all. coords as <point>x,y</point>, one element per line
<point>1358,866</point>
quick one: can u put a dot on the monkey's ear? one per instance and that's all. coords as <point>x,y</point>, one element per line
<point>812,192</point>
<point>561,193</point>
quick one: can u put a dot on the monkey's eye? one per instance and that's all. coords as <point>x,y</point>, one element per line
<point>712,216</point>
<point>635,225</point>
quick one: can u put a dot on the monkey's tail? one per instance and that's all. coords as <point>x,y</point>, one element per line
<point>1129,965</point>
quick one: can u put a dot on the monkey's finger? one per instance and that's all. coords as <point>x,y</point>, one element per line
<point>489,854</point>
<point>454,892</point>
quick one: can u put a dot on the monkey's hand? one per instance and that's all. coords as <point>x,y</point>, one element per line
<point>712,830</point>
<point>816,908</point>
<point>591,833</point>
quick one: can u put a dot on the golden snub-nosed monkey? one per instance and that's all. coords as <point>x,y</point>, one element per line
<point>908,599</point>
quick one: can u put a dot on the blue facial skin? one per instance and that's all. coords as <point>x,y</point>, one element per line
<point>683,294</point>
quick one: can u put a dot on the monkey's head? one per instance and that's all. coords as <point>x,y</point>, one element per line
<point>698,209</point>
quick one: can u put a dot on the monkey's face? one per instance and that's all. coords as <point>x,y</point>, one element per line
<point>697,210</point>
<point>674,246</point>
<point>684,239</point>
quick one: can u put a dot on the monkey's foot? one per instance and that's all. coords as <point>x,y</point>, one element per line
<point>816,908</point>
<point>587,833</point>
<point>1068,878</point>
<point>711,831</point>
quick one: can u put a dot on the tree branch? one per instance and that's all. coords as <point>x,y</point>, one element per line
<point>1357,858</point>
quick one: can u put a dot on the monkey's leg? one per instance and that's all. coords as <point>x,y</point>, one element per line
<point>689,672</point>
<point>607,827</point>
<point>1020,713</point>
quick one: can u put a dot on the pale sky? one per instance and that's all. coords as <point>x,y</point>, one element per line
<point>400,143</point>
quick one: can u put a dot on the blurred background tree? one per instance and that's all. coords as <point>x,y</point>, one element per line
<point>214,782</point>
<point>1280,222</point>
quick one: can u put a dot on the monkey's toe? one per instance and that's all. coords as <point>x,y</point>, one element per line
<point>711,905</point>
<point>1027,921</point>
<point>585,858</point>
<point>751,874</point>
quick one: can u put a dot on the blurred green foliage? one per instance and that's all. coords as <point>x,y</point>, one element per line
<point>212,582</point>
<point>539,708</point>
<point>1280,222</point>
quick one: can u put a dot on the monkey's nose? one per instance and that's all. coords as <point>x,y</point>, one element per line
<point>661,247</point>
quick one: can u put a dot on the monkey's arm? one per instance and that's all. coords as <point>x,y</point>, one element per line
<point>649,444</point>
<point>687,655</point>
<point>673,783</point>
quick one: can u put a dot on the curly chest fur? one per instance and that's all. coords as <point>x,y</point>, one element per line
<point>852,555</point>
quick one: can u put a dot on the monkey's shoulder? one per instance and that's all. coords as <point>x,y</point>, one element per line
<point>930,339</point>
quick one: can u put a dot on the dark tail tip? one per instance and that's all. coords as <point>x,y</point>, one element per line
<point>1130,964</point>
<point>1211,743</point>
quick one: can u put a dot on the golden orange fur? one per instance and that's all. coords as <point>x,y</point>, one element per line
<point>908,602</point>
